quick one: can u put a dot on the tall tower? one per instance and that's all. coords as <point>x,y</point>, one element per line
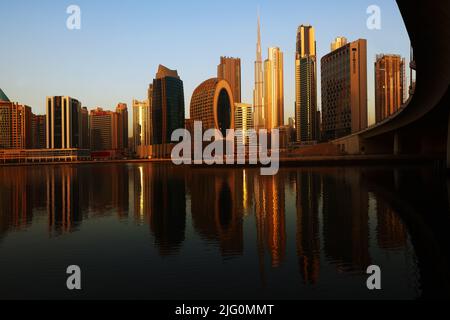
<point>230,69</point>
<point>274,89</point>
<point>63,123</point>
<point>344,71</point>
<point>258,93</point>
<point>389,85</point>
<point>167,106</point>
<point>306,85</point>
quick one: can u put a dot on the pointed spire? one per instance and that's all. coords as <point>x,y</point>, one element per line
<point>258,45</point>
<point>3,96</point>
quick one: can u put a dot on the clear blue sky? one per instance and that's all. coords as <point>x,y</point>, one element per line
<point>116,53</point>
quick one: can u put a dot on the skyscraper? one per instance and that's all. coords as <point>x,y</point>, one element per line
<point>38,132</point>
<point>141,123</point>
<point>122,126</point>
<point>230,69</point>
<point>63,123</point>
<point>258,92</point>
<point>344,90</point>
<point>390,85</point>
<point>85,131</point>
<point>15,124</point>
<point>103,126</point>
<point>243,120</point>
<point>274,89</point>
<point>306,85</point>
<point>167,107</point>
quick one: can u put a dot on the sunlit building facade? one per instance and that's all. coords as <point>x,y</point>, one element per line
<point>390,85</point>
<point>243,119</point>
<point>212,103</point>
<point>15,125</point>
<point>141,123</point>
<point>229,69</point>
<point>274,89</point>
<point>306,85</point>
<point>63,123</point>
<point>344,90</point>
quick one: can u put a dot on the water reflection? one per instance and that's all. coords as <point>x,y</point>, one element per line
<point>328,224</point>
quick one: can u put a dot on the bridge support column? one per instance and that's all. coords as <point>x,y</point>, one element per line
<point>448,143</point>
<point>397,144</point>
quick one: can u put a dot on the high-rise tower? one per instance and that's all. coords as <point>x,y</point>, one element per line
<point>306,85</point>
<point>274,89</point>
<point>389,85</point>
<point>258,93</point>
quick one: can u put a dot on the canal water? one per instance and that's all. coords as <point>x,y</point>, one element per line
<point>157,231</point>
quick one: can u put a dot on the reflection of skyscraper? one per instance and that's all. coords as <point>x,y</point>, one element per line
<point>64,214</point>
<point>306,85</point>
<point>346,226</point>
<point>168,208</point>
<point>16,191</point>
<point>167,106</point>
<point>258,92</point>
<point>229,69</point>
<point>214,203</point>
<point>270,217</point>
<point>391,232</point>
<point>390,85</point>
<point>344,90</point>
<point>274,89</point>
<point>308,238</point>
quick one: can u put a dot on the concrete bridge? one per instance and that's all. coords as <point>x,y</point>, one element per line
<point>422,126</point>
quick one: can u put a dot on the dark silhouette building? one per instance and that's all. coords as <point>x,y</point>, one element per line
<point>167,107</point>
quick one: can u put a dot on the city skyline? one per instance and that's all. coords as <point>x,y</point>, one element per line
<point>130,77</point>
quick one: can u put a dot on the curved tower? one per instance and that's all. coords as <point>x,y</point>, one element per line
<point>213,104</point>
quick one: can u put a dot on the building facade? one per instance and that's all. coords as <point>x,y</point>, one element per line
<point>243,120</point>
<point>122,126</point>
<point>229,69</point>
<point>344,90</point>
<point>38,132</point>
<point>141,123</point>
<point>63,123</point>
<point>338,42</point>
<point>167,107</point>
<point>104,135</point>
<point>85,130</point>
<point>274,89</point>
<point>15,126</point>
<point>390,85</point>
<point>306,85</point>
<point>212,103</point>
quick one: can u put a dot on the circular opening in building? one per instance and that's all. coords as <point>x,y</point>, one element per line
<point>224,112</point>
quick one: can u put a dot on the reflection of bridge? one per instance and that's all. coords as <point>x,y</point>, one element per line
<point>422,127</point>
